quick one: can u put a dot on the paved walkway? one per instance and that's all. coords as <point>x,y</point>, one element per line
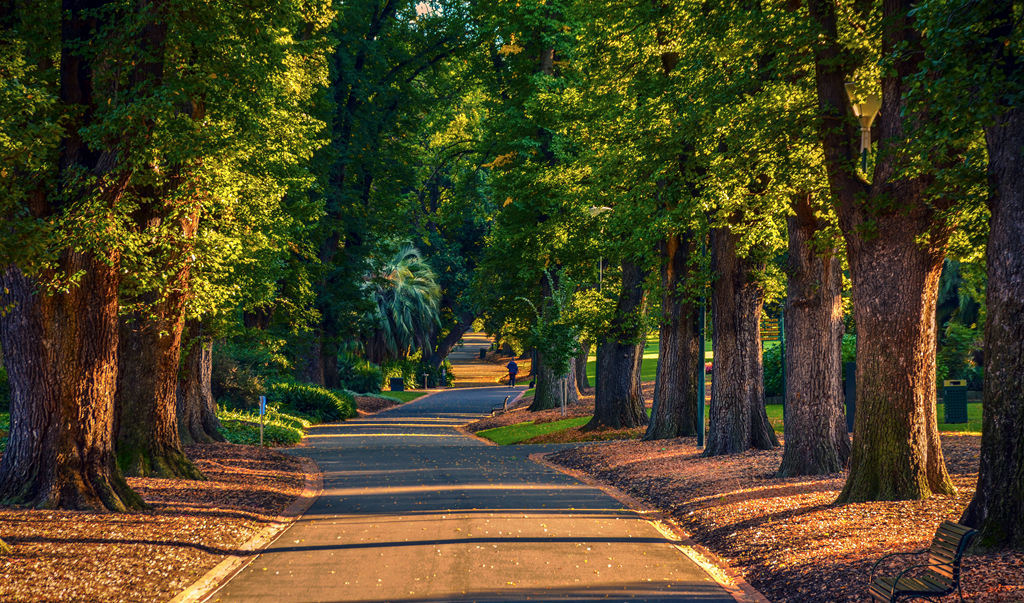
<point>414,511</point>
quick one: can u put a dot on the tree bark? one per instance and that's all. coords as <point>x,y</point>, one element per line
<point>674,413</point>
<point>552,387</point>
<point>997,508</point>
<point>582,381</point>
<point>311,368</point>
<point>738,420</point>
<point>197,410</point>
<point>618,401</point>
<point>148,443</point>
<point>60,352</point>
<point>815,426</point>
<point>895,243</point>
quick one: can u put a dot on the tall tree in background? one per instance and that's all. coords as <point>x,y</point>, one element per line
<point>891,220</point>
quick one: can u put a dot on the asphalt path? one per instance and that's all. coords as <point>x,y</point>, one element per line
<point>412,510</point>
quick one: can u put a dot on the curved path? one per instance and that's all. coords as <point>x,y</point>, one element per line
<point>414,511</point>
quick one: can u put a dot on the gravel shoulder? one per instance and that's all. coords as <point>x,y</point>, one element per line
<point>152,555</point>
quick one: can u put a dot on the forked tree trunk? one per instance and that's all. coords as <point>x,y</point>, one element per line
<point>440,349</point>
<point>618,400</point>
<point>737,418</point>
<point>148,443</point>
<point>674,413</point>
<point>998,505</point>
<point>197,410</point>
<point>552,387</point>
<point>815,426</point>
<point>60,352</point>
<point>895,242</point>
<point>582,381</point>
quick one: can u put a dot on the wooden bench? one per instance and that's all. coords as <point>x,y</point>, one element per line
<point>940,576</point>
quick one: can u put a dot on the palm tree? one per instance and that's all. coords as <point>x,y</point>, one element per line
<point>406,297</point>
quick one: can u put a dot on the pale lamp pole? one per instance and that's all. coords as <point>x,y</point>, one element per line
<point>865,107</point>
<point>595,212</point>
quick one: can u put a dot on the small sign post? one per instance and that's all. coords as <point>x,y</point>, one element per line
<point>263,414</point>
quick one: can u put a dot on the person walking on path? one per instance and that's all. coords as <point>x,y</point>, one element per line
<point>513,368</point>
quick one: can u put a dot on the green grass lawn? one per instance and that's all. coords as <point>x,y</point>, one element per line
<point>513,434</point>
<point>973,424</point>
<point>5,426</point>
<point>406,396</point>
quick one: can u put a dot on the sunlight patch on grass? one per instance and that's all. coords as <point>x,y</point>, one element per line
<point>513,434</point>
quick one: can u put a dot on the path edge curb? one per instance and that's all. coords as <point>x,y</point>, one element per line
<point>216,577</point>
<point>724,574</point>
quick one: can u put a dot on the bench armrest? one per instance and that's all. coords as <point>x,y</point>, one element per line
<point>890,555</point>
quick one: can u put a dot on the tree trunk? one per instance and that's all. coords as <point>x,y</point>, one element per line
<point>618,401</point>
<point>582,381</point>
<point>816,439</point>
<point>674,413</point>
<point>148,443</point>
<point>737,417</point>
<point>197,410</point>
<point>552,387</point>
<point>442,348</point>
<point>895,242</point>
<point>60,352</point>
<point>997,509</point>
<point>311,368</point>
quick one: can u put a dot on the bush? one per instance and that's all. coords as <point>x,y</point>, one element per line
<point>313,401</point>
<point>243,427</point>
<point>849,348</point>
<point>5,389</point>
<point>956,351</point>
<point>359,375</point>
<point>406,368</point>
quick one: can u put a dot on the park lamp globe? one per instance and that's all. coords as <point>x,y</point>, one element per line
<point>865,107</point>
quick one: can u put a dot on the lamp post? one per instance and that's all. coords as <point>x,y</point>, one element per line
<point>865,107</point>
<point>594,212</point>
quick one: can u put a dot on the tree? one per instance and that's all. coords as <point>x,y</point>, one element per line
<point>815,422</point>
<point>738,418</point>
<point>980,51</point>
<point>405,297</point>
<point>196,408</point>
<point>893,219</point>
<point>618,401</point>
<point>60,332</point>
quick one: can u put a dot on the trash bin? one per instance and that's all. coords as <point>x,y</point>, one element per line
<point>954,397</point>
<point>397,384</point>
<point>483,354</point>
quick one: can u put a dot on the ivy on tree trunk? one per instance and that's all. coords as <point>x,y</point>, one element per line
<point>197,411</point>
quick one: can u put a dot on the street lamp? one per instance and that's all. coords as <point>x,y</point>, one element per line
<point>595,212</point>
<point>865,107</point>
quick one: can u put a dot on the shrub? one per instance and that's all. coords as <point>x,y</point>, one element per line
<point>956,351</point>
<point>359,375</point>
<point>313,401</point>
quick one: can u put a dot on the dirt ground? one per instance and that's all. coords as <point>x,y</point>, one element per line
<point>370,404</point>
<point>785,535</point>
<point>152,555</point>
